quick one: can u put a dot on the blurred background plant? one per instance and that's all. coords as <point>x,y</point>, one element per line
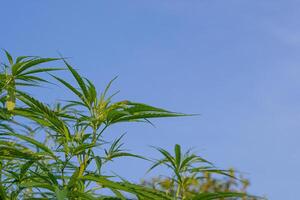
<point>192,174</point>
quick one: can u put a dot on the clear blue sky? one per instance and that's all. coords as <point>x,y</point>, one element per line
<point>236,62</point>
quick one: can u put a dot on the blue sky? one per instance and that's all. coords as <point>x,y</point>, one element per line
<point>235,62</point>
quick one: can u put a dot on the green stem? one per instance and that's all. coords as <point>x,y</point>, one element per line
<point>178,192</point>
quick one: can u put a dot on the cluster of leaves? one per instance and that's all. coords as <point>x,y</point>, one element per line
<point>58,152</point>
<point>192,175</point>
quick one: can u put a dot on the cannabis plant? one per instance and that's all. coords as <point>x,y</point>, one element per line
<point>193,176</point>
<point>59,151</point>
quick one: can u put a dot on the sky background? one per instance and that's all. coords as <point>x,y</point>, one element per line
<point>235,62</point>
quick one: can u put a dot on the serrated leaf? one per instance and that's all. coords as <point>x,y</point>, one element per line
<point>33,142</point>
<point>128,187</point>
<point>9,57</point>
<point>34,62</point>
<point>79,80</point>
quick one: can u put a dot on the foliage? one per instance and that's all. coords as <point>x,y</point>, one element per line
<point>192,175</point>
<point>58,152</point>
